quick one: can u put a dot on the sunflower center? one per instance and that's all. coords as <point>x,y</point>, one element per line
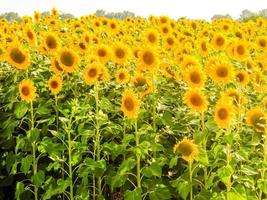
<point>185,149</point>
<point>25,91</point>
<point>67,59</point>
<point>222,72</point>
<point>82,46</point>
<point>204,46</point>
<point>113,26</point>
<point>262,43</point>
<point>54,84</point>
<point>119,53</point>
<point>258,121</point>
<point>170,41</point>
<point>92,73</point>
<point>51,42</point>
<point>17,56</point>
<point>195,77</point>
<point>140,82</point>
<point>152,38</point>
<point>196,100</point>
<point>30,35</point>
<point>220,41</point>
<point>240,50</point>
<point>165,30</point>
<point>121,76</point>
<point>129,104</point>
<point>148,58</point>
<point>58,66</point>
<point>102,52</point>
<point>222,113</point>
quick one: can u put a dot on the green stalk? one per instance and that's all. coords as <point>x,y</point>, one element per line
<point>204,146</point>
<point>228,159</point>
<point>190,179</point>
<point>70,163</point>
<point>138,176</point>
<point>97,139</point>
<point>154,115</point>
<point>34,167</point>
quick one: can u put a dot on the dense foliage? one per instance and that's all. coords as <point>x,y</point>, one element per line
<point>98,108</point>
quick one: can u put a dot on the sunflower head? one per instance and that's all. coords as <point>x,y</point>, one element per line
<point>27,90</point>
<point>242,77</point>
<point>224,112</point>
<point>54,84</point>
<point>195,77</point>
<point>218,42</point>
<point>92,73</point>
<point>257,119</point>
<point>51,42</point>
<point>187,149</point>
<point>148,60</point>
<point>103,53</point>
<point>130,104</point>
<point>18,57</point>
<point>196,100</point>
<point>68,60</point>
<point>120,53</point>
<point>122,76</point>
<point>222,72</point>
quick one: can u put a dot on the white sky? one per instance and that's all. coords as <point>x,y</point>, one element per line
<point>192,9</point>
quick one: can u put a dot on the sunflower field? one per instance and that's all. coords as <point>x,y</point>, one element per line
<point>98,108</point>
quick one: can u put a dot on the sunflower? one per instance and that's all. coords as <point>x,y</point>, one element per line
<point>37,16</point>
<point>203,47</point>
<point>103,53</point>
<point>256,118</point>
<point>242,77</point>
<point>261,41</point>
<point>196,100</point>
<point>241,51</point>
<point>151,37</point>
<point>130,104</point>
<point>27,90</point>
<point>122,76</point>
<point>18,57</point>
<point>224,113</point>
<point>55,67</point>
<point>188,61</point>
<point>195,77</point>
<point>169,71</point>
<point>237,98</point>
<point>120,53</point>
<point>147,60</point>
<point>187,149</point>
<point>218,42</point>
<point>222,72</point>
<point>51,42</point>
<point>169,42</point>
<point>68,60</point>
<point>30,36</point>
<point>92,73</point>
<point>54,84</point>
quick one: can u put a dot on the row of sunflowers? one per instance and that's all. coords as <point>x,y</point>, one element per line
<point>98,108</point>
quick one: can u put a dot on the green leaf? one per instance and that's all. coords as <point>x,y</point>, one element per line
<point>225,172</point>
<point>38,178</point>
<point>203,157</point>
<point>33,135</point>
<point>153,170</point>
<point>182,186</point>
<point>19,190</point>
<point>57,188</point>
<point>262,184</point>
<point>161,192</point>
<point>126,166</point>
<point>235,196</point>
<point>133,195</point>
<point>173,162</point>
<point>94,167</point>
<point>20,110</point>
<point>26,164</point>
<point>118,181</point>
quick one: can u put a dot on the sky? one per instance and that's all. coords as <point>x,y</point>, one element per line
<point>192,9</point>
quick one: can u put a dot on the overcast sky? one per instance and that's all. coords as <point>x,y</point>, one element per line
<point>193,9</point>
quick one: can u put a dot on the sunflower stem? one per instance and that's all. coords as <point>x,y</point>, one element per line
<point>154,114</point>
<point>190,179</point>
<point>228,159</point>
<point>204,145</point>
<point>137,138</point>
<point>34,166</point>
<point>97,139</point>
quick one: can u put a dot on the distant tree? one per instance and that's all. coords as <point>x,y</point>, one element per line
<point>100,13</point>
<point>263,13</point>
<point>117,15</point>
<point>64,16</point>
<point>247,15</point>
<point>11,16</point>
<point>221,16</point>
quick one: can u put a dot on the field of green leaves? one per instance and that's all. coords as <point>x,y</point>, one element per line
<point>98,108</point>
